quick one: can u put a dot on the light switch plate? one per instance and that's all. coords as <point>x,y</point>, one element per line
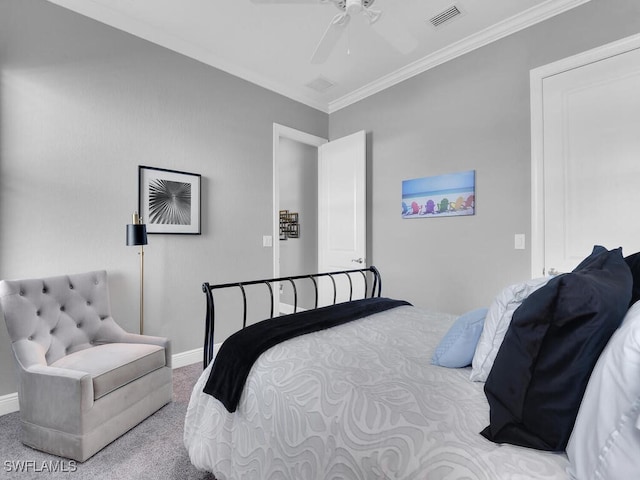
<point>267,241</point>
<point>518,241</point>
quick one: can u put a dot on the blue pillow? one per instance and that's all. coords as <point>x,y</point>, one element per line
<point>457,347</point>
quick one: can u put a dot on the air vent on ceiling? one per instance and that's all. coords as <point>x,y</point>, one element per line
<point>445,16</point>
<point>320,84</point>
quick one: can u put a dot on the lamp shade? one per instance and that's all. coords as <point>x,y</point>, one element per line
<point>136,234</point>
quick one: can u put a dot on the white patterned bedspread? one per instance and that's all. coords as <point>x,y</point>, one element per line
<point>358,401</point>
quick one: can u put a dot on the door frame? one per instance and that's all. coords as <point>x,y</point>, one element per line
<point>282,131</point>
<point>537,77</point>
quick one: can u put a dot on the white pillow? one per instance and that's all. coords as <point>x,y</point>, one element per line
<point>605,441</point>
<point>496,324</point>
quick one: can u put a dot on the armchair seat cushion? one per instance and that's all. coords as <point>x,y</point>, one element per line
<point>114,365</point>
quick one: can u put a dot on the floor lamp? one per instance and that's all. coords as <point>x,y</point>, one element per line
<point>137,235</point>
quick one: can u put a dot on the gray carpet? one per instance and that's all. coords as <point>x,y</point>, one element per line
<point>152,450</point>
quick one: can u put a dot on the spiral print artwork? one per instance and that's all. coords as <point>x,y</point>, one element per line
<point>169,202</point>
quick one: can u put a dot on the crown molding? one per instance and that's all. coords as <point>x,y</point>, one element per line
<point>115,19</point>
<point>484,37</point>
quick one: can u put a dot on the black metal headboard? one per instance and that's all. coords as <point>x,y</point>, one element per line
<point>376,289</point>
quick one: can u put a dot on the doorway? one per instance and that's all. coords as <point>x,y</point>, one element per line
<point>340,173</point>
<point>295,189</point>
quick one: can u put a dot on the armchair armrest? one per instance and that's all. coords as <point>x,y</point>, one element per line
<point>111,332</point>
<point>68,393</point>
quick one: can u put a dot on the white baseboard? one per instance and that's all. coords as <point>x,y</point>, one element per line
<point>187,358</point>
<point>286,308</point>
<point>9,403</point>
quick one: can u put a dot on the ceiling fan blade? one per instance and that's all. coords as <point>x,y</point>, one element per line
<point>330,38</point>
<point>372,15</point>
<point>394,33</point>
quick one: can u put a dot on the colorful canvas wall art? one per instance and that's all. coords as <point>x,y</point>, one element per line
<point>453,194</point>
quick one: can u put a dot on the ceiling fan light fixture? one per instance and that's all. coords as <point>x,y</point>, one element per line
<point>392,31</point>
<point>342,4</point>
<point>353,6</point>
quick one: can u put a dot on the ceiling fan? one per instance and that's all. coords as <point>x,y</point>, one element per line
<point>392,32</point>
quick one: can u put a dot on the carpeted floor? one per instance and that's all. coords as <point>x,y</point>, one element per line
<point>152,450</point>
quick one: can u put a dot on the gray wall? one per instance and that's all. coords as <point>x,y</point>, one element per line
<point>81,106</point>
<point>298,167</point>
<point>471,113</point>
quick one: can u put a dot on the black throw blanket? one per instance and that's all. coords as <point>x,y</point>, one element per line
<point>238,353</point>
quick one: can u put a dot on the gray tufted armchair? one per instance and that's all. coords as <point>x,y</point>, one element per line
<point>83,380</point>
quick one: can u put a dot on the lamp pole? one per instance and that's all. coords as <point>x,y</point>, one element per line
<point>141,289</point>
<point>137,235</point>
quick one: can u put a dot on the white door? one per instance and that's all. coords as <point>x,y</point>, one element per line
<point>342,210</point>
<point>589,160</point>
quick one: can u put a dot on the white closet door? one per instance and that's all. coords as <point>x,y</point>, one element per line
<point>591,167</point>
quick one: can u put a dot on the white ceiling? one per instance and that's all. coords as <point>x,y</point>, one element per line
<point>272,44</point>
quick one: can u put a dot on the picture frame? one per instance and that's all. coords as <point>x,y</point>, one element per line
<point>448,195</point>
<point>284,215</point>
<point>169,201</point>
<point>289,226</point>
<point>293,230</point>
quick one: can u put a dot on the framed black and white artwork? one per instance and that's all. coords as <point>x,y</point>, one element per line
<point>169,200</point>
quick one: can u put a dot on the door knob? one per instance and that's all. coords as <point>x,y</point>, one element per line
<point>358,260</point>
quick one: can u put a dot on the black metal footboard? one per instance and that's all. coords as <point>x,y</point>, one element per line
<point>376,289</point>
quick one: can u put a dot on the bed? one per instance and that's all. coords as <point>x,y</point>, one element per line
<point>361,400</point>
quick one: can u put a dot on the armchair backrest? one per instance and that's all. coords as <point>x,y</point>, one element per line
<point>49,318</point>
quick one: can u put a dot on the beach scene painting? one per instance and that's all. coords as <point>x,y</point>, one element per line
<point>449,195</point>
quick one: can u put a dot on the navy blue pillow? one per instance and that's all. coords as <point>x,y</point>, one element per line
<point>593,257</point>
<point>554,340</point>
<point>634,264</point>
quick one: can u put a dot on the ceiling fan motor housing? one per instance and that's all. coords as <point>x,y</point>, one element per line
<point>353,6</point>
